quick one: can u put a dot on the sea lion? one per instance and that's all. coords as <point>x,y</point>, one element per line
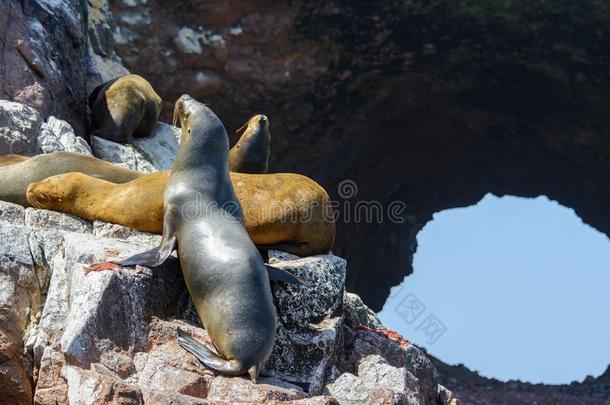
<point>223,271</point>
<point>124,108</point>
<point>7,160</point>
<point>15,178</point>
<point>251,152</point>
<point>285,211</point>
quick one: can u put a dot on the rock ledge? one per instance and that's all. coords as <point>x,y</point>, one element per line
<point>110,336</point>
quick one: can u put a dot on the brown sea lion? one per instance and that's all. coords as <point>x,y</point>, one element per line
<point>7,160</point>
<point>251,152</point>
<point>124,108</point>
<point>285,211</point>
<point>15,178</point>
<point>225,275</point>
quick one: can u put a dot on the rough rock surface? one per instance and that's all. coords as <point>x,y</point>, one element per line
<point>43,58</point>
<point>57,135</point>
<point>472,388</point>
<point>470,97</point>
<point>69,336</point>
<point>153,153</point>
<point>19,128</point>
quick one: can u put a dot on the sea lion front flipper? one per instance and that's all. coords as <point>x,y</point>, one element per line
<point>156,256</point>
<point>276,274</point>
<point>152,258</point>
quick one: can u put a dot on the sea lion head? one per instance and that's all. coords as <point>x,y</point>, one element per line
<point>255,125</point>
<point>202,131</point>
<point>251,152</point>
<point>55,192</point>
<point>190,113</point>
<point>124,108</point>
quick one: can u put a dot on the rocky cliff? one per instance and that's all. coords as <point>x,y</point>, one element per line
<point>427,103</point>
<point>430,103</point>
<point>68,336</point>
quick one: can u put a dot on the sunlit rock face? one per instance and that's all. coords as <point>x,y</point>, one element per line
<point>428,103</point>
<point>69,336</point>
<point>150,154</point>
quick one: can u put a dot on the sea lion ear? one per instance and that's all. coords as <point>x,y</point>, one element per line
<point>276,274</point>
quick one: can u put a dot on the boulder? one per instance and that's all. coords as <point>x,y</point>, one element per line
<point>349,389</point>
<point>19,127</point>
<point>310,319</point>
<point>57,135</point>
<point>362,342</point>
<point>160,147</point>
<point>358,314</point>
<point>153,153</point>
<point>121,154</point>
<point>20,299</point>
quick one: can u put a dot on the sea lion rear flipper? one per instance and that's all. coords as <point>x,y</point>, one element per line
<point>207,357</point>
<point>156,256</point>
<point>276,274</point>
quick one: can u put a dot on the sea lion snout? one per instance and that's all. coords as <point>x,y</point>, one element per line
<point>183,108</point>
<point>37,198</point>
<point>259,120</point>
<point>185,98</point>
<point>54,191</point>
<point>185,103</point>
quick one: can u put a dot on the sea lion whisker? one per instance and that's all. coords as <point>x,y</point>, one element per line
<point>175,114</point>
<point>242,128</point>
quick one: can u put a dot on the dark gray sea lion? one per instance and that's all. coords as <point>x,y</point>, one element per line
<point>251,153</point>
<point>224,272</point>
<point>124,108</point>
<point>15,178</point>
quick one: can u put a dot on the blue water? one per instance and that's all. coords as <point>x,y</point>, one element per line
<point>511,287</point>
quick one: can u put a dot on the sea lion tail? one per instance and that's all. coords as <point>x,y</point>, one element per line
<point>210,359</point>
<point>156,256</point>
